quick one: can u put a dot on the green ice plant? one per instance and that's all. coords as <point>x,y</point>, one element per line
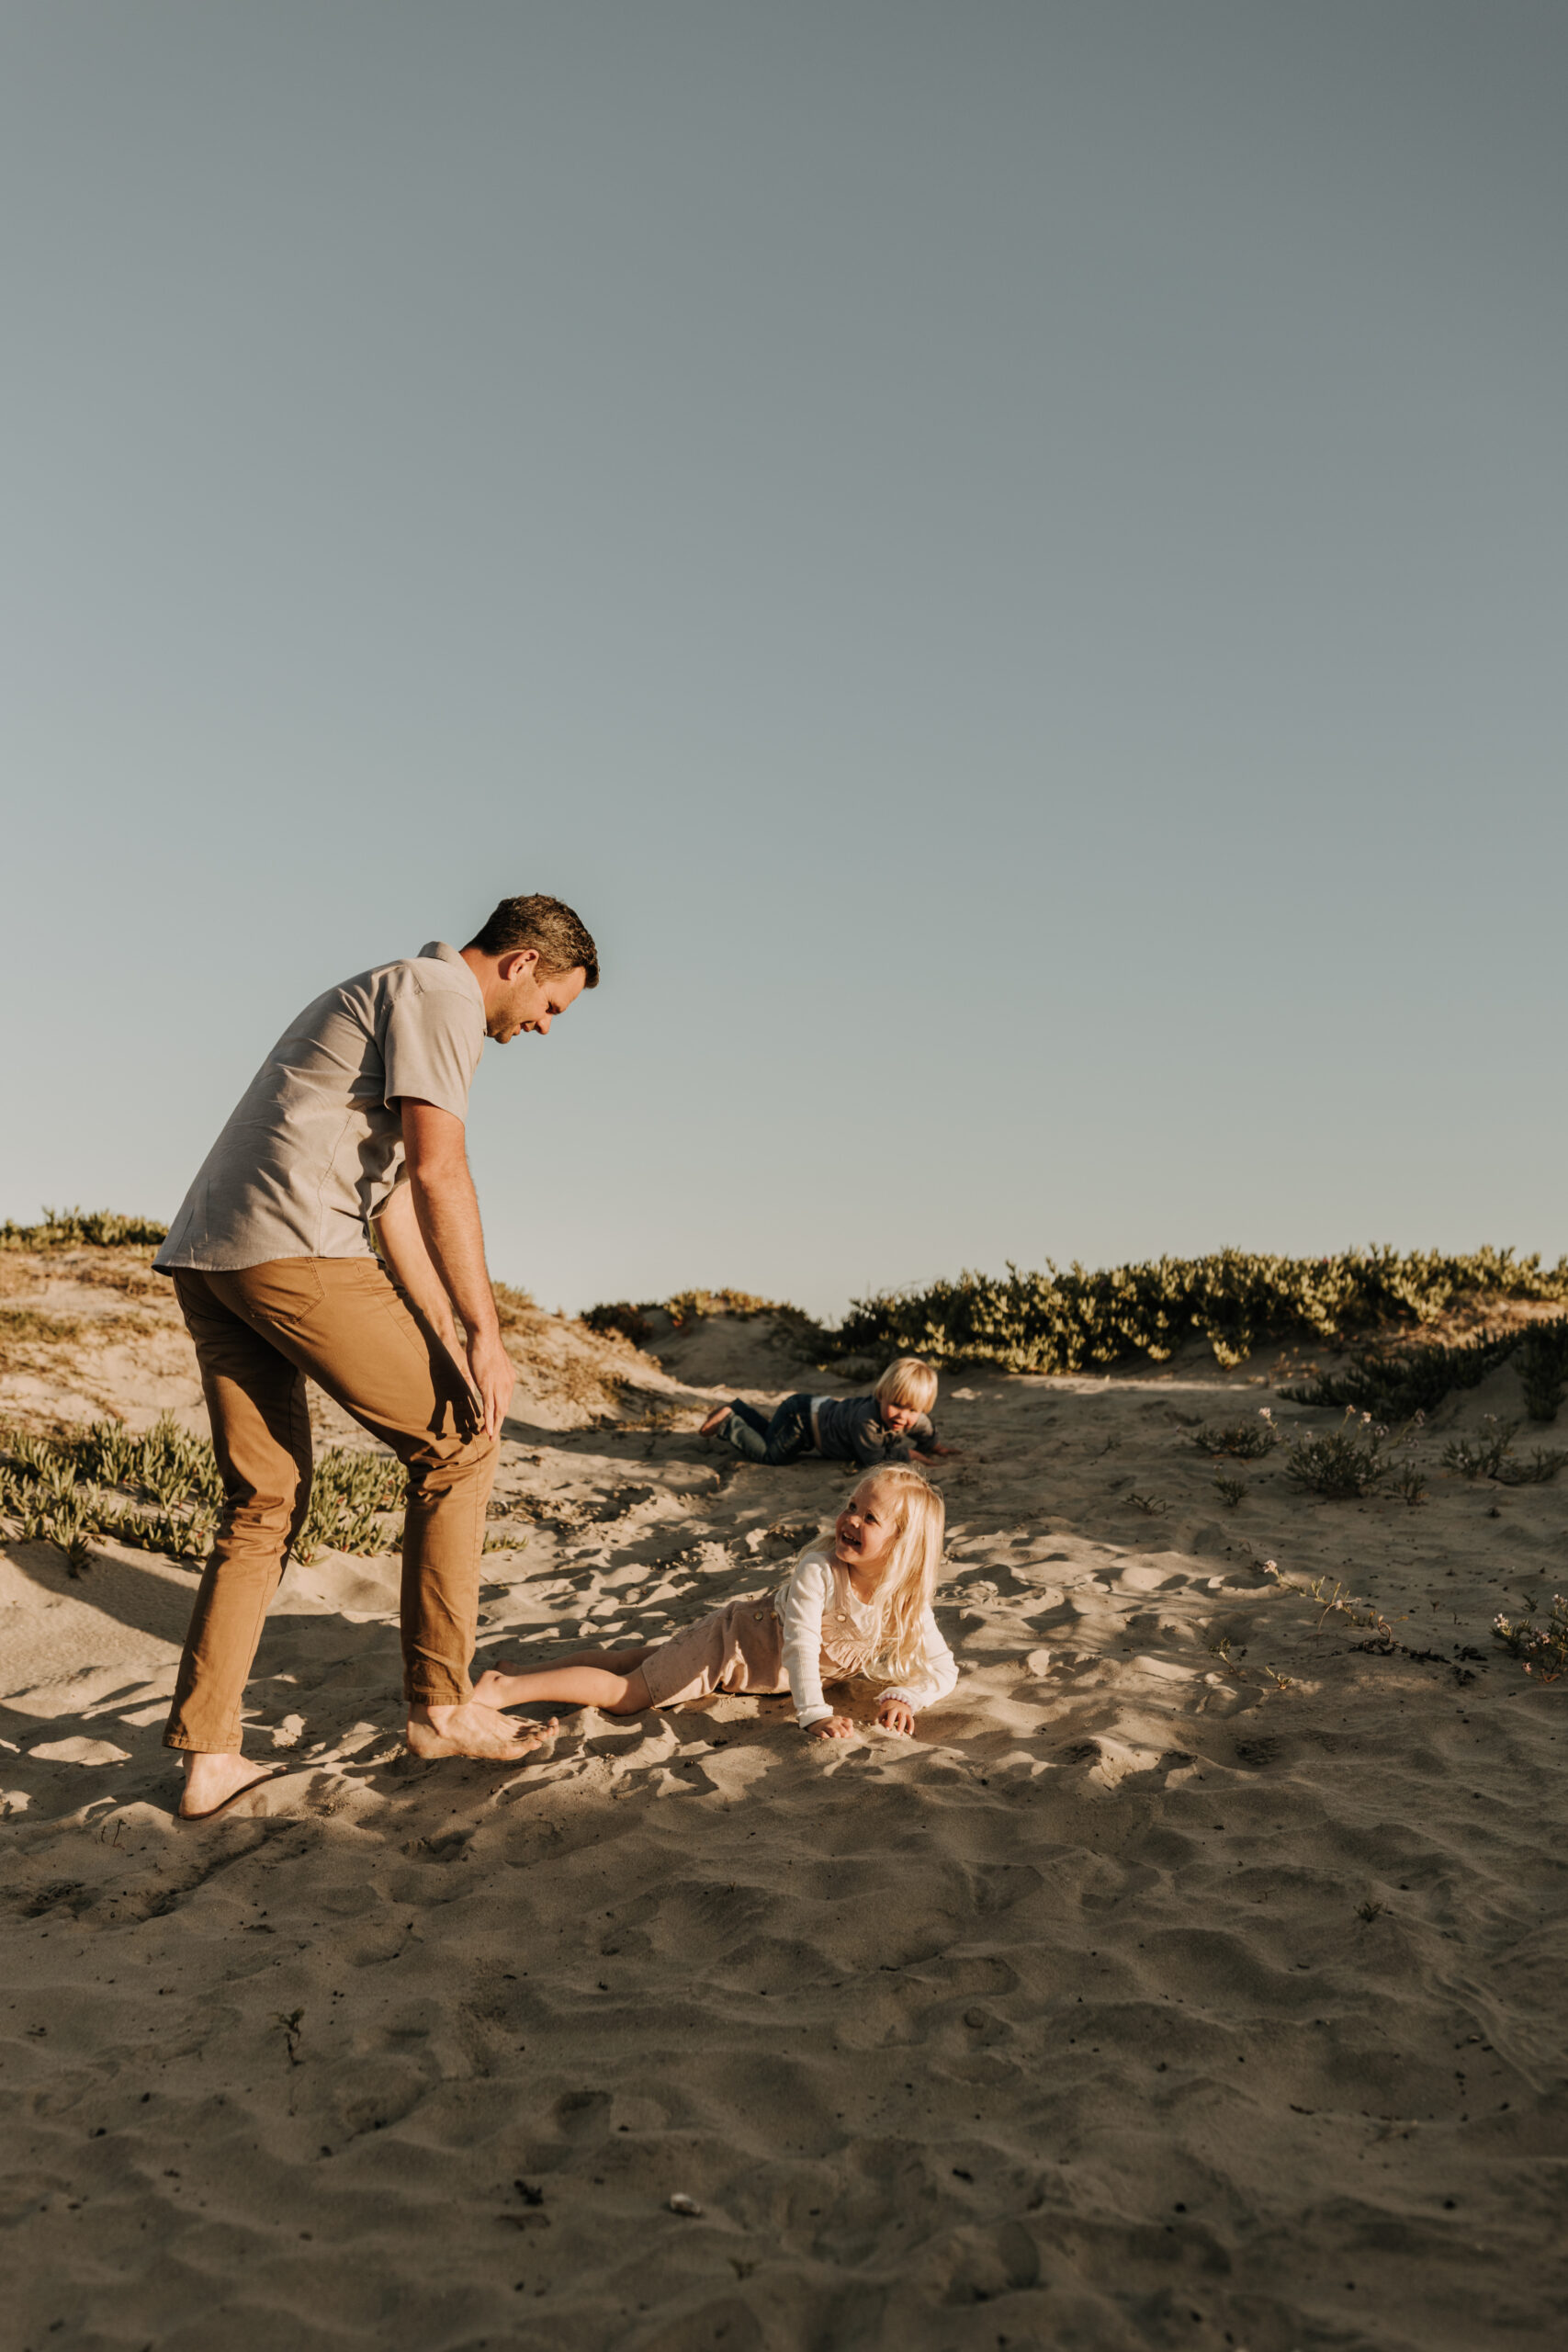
<point>160,1492</point>
<point>348,1494</point>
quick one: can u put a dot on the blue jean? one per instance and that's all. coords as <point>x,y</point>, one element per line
<point>782,1439</point>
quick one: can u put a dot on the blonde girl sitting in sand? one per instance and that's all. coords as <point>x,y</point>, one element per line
<point>893,1424</point>
<point>855,1603</point>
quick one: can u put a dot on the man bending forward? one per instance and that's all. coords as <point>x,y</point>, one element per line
<point>356,1117</point>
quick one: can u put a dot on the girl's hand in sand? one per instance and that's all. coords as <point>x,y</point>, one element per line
<point>831,1727</point>
<point>897,1715</point>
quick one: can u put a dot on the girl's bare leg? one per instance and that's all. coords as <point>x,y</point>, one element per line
<point>607,1680</point>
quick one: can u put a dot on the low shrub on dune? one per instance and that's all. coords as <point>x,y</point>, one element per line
<point>1076,1320</point>
<point>82,1230</point>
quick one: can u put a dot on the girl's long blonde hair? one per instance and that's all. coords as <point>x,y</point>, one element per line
<point>906,1588</point>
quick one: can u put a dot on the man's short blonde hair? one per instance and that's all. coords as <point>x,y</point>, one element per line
<point>909,1381</point>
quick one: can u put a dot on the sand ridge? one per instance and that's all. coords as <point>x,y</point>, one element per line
<point>1192,1979</point>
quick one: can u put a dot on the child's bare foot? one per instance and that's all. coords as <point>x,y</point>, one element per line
<point>474,1729</point>
<point>495,1687</point>
<point>720,1414</point>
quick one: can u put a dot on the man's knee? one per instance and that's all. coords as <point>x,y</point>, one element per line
<point>277,1503</point>
<point>457,1463</point>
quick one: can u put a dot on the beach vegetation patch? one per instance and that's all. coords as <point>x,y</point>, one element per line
<point>350,1495</point>
<point>636,1322</point>
<point>512,1306</point>
<point>1482,1456</point>
<point>1339,1602</point>
<point>30,1323</point>
<point>619,1317</point>
<point>1491,1455</point>
<point>1543,1367</point>
<point>1248,1440</point>
<point>1397,1384</point>
<point>83,1230</point>
<point>1347,1463</point>
<point>1066,1321</point>
<point>160,1492</point>
<point>1542,1648</point>
<point>1543,1462</point>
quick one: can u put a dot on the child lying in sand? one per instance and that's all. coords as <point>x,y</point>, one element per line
<point>866,1430</point>
<point>859,1603</point>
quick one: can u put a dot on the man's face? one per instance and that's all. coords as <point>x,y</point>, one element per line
<point>526,998</point>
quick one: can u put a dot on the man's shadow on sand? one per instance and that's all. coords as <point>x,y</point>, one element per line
<point>322,1670</point>
<point>308,1662</point>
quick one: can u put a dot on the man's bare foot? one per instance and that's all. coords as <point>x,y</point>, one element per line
<point>213,1782</point>
<point>474,1729</point>
<point>720,1414</point>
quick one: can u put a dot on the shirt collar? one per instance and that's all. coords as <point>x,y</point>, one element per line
<point>439,951</point>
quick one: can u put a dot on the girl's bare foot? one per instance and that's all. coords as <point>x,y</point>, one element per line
<point>720,1414</point>
<point>474,1729</point>
<point>495,1687</point>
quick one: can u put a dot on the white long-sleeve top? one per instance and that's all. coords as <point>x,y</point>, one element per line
<point>825,1621</point>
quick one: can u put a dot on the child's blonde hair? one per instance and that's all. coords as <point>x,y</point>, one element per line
<point>904,1592</point>
<point>908,1381</point>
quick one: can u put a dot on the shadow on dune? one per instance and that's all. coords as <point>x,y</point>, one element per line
<point>616,1441</point>
<point>157,1601</point>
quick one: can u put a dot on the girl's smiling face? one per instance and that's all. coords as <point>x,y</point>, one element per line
<point>867,1527</point>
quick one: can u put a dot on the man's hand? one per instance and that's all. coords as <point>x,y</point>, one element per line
<point>448,1215</point>
<point>493,1378</point>
<point>897,1715</point>
<point>407,1259</point>
<point>831,1727</point>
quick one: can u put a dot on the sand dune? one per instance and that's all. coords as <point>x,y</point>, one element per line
<point>1193,1979</point>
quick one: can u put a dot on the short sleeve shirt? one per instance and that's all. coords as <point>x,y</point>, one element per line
<point>314,1147</point>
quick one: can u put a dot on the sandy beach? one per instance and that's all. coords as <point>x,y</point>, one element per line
<point>1194,1978</point>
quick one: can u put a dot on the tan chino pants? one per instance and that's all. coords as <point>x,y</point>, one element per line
<point>259,1332</point>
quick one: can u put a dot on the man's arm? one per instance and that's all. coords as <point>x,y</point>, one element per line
<point>447,1212</point>
<point>401,1246</point>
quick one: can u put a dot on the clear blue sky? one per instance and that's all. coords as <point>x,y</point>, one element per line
<point>1010,561</point>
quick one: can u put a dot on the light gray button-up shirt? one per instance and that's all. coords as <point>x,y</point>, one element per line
<point>315,1144</point>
